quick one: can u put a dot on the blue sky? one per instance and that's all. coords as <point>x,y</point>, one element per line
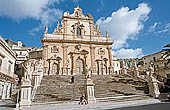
<point>138,27</point>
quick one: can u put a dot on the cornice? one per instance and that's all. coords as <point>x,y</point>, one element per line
<point>7,48</point>
<point>77,18</point>
<point>76,41</point>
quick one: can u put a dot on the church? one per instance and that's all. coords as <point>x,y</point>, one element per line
<point>75,45</point>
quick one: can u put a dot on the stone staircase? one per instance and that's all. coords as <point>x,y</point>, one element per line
<point>107,88</point>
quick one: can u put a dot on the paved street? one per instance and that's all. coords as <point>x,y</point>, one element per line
<point>97,106</point>
<point>130,105</point>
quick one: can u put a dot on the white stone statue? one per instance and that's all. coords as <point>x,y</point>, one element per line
<point>153,83</point>
<point>46,30</point>
<point>88,72</point>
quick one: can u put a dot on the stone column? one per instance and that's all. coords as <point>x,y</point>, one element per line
<point>1,89</point>
<point>92,54</point>
<point>98,67</point>
<point>72,64</point>
<point>64,26</point>
<point>64,59</point>
<point>45,57</point>
<point>110,58</point>
<point>91,25</point>
<point>8,91</point>
<point>89,91</point>
<point>25,99</point>
<point>4,91</point>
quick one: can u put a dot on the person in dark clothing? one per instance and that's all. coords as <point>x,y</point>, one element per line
<point>82,100</point>
<point>72,79</point>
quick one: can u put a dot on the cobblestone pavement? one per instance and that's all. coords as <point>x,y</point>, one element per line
<point>97,106</point>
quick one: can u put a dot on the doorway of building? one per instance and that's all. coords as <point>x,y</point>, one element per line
<point>79,66</point>
<point>56,68</point>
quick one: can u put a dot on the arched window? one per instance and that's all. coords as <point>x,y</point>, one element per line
<point>78,31</point>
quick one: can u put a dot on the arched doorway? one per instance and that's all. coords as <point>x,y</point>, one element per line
<point>55,68</point>
<point>79,66</point>
<point>102,66</point>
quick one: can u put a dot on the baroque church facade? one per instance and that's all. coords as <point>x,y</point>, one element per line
<point>75,46</point>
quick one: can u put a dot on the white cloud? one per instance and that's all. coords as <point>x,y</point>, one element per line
<point>36,9</point>
<point>166,29</point>
<point>124,24</point>
<point>153,27</point>
<point>101,6</point>
<point>128,53</point>
<point>48,17</point>
<point>75,1</point>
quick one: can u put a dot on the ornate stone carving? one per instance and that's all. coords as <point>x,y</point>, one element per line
<point>101,51</point>
<point>54,49</point>
<point>79,33</point>
<point>78,47</point>
<point>78,12</point>
<point>97,32</point>
<point>78,29</point>
<point>58,29</point>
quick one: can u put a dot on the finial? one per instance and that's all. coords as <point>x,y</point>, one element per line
<point>46,30</point>
<point>106,34</point>
<point>58,24</point>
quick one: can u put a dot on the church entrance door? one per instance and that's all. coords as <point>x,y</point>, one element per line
<point>79,66</point>
<point>56,68</point>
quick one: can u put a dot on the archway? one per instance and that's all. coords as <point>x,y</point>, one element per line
<point>55,68</point>
<point>79,66</point>
<point>102,66</point>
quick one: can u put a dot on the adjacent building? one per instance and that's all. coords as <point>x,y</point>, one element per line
<point>7,63</point>
<point>161,67</point>
<point>116,65</point>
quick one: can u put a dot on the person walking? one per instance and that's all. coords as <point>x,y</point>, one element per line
<point>82,100</point>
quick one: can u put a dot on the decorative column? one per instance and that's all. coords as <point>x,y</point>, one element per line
<point>72,63</point>
<point>64,26</point>
<point>64,59</point>
<point>91,26</point>
<point>25,99</point>
<point>45,57</point>
<point>89,91</point>
<point>98,67</point>
<point>110,59</point>
<point>8,91</point>
<point>4,91</point>
<point>92,54</point>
